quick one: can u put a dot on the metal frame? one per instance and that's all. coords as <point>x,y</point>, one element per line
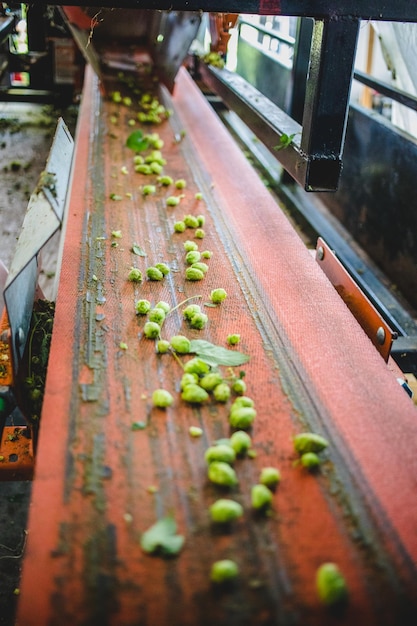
<point>402,10</point>
<point>317,162</point>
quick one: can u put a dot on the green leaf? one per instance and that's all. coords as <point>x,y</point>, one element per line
<point>217,355</point>
<point>137,142</point>
<point>161,538</point>
<point>136,249</point>
<point>285,141</point>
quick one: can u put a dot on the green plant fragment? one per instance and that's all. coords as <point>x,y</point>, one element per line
<point>217,355</point>
<point>162,538</point>
<point>136,249</point>
<point>137,142</point>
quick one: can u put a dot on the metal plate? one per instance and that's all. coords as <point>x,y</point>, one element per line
<point>42,219</point>
<point>368,317</point>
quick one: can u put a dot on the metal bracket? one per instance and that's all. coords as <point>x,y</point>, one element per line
<point>368,317</point>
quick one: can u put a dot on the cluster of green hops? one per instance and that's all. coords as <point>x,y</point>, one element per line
<point>191,221</point>
<point>214,58</point>
<point>195,317</point>
<point>242,413</point>
<point>156,318</point>
<point>157,271</point>
<point>135,275</point>
<point>200,381</point>
<point>308,446</point>
<point>152,111</point>
<point>196,269</point>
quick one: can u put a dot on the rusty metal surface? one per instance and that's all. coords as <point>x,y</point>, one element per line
<point>100,483</point>
<point>368,317</point>
<point>17,459</point>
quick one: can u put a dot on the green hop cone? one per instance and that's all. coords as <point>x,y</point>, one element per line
<point>162,398</point>
<point>179,227</point>
<point>221,452</point>
<point>190,311</point>
<point>165,181</point>
<point>240,442</point>
<point>203,267</point>
<point>242,417</point>
<point>180,344</point>
<point>188,379</point>
<point>309,442</point>
<point>153,273</point>
<point>156,315</point>
<point>211,380</point>
<point>172,200</point>
<point>199,321</point>
<point>310,460</point>
<point>270,477</point>
<point>224,571</point>
<point>218,295</point>
<point>233,339</point>
<point>190,221</point>
<point>163,268</point>
<point>194,394</point>
<point>197,366</point>
<point>331,585</point>
<point>224,511</point>
<point>135,275</point>
<point>239,387</point>
<point>162,346</point>
<point>148,190</point>
<point>243,401</point>
<point>193,256</point>
<point>261,497</point>
<point>190,245</point>
<point>221,393</point>
<point>151,330</point>
<point>142,307</point>
<point>191,273</point>
<point>164,306</point>
<point>222,474</point>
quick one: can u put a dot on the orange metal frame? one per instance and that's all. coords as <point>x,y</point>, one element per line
<point>368,317</point>
<point>100,483</point>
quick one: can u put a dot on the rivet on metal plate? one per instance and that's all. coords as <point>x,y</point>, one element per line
<point>380,335</point>
<point>320,253</point>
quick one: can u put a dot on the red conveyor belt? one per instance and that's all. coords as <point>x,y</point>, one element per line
<point>99,484</point>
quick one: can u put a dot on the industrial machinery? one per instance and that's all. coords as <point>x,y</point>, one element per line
<point>180,268</point>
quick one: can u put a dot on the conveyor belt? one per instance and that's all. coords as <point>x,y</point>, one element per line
<point>109,465</point>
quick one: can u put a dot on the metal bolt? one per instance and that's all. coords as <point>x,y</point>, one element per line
<point>320,253</point>
<point>380,335</point>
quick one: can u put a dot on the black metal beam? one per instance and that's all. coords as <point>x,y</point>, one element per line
<point>329,80</point>
<point>385,89</point>
<point>314,156</point>
<point>387,10</point>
